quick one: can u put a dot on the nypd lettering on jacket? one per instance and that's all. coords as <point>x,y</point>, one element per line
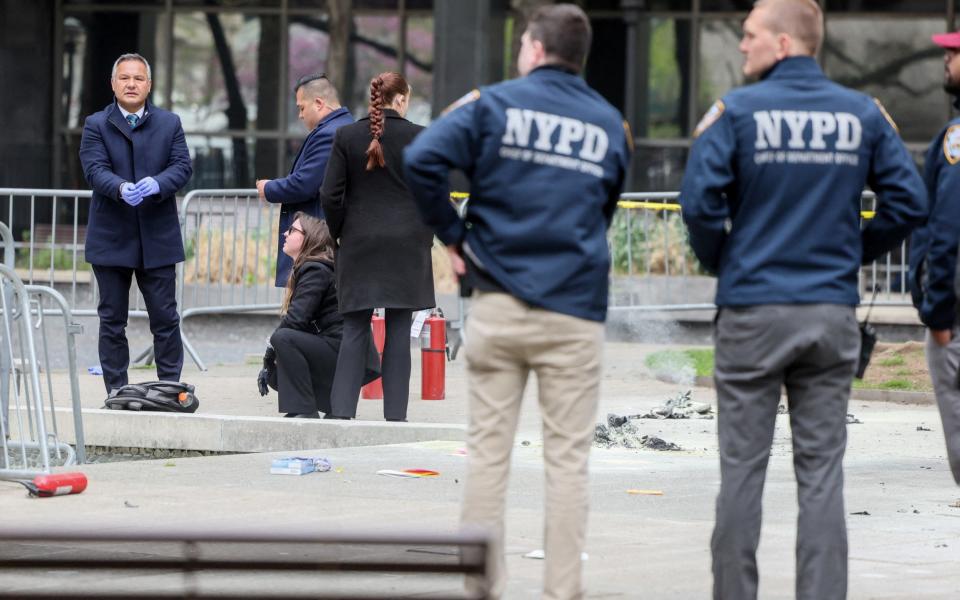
<point>548,139</point>
<point>801,136</point>
<point>546,156</point>
<point>772,190</point>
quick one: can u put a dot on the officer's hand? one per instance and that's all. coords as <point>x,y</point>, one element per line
<point>130,195</point>
<point>941,336</point>
<point>456,260</point>
<point>262,382</point>
<point>148,186</point>
<point>261,187</point>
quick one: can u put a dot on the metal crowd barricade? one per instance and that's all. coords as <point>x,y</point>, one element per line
<point>231,242</point>
<point>208,563</point>
<point>48,250</point>
<point>9,366</point>
<point>648,240</point>
<point>30,443</point>
<point>457,319</point>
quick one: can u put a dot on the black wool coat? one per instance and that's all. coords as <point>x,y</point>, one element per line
<point>313,307</point>
<point>383,259</point>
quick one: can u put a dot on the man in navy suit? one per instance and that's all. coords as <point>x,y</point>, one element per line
<point>135,158</point>
<point>320,110</point>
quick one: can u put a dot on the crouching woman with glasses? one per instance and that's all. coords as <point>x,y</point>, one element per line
<point>307,341</point>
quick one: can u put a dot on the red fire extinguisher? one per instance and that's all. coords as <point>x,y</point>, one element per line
<point>374,389</point>
<point>58,484</point>
<point>433,365</point>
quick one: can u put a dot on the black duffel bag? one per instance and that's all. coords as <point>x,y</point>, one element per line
<point>159,396</point>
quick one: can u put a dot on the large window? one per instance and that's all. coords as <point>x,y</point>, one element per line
<point>894,61</point>
<point>686,56</point>
<point>228,68</point>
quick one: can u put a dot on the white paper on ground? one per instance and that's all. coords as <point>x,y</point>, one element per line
<point>539,555</point>
<point>394,473</point>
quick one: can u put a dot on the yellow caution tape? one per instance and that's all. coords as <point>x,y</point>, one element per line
<point>649,205</point>
<point>628,204</point>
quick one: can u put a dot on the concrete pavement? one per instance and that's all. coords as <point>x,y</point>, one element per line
<point>907,547</point>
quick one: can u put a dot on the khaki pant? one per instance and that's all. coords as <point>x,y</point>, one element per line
<point>506,339</point>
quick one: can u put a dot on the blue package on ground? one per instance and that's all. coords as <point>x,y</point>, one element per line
<point>298,465</point>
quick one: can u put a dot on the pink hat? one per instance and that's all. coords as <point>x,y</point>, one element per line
<point>947,40</point>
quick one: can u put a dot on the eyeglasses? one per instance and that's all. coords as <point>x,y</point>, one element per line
<point>295,228</point>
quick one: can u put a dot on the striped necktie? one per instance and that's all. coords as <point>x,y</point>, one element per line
<point>132,119</point>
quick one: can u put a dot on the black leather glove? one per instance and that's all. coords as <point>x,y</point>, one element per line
<point>262,379</point>
<point>270,358</point>
<point>268,371</point>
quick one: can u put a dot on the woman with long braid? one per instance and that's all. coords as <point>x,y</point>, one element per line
<point>383,258</point>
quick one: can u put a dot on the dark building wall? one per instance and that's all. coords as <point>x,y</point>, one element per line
<point>468,47</point>
<point>26,73</point>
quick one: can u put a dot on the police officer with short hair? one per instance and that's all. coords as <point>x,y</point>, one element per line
<point>771,197</point>
<point>933,258</point>
<point>546,156</point>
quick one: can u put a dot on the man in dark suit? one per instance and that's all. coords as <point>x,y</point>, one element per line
<point>319,107</point>
<point>135,158</point>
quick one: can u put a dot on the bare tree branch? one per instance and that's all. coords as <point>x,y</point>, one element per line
<point>236,109</point>
<point>355,37</point>
<point>888,72</point>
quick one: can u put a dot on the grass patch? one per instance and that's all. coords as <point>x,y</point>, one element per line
<point>900,367</point>
<point>896,384</point>
<point>892,361</point>
<point>699,360</point>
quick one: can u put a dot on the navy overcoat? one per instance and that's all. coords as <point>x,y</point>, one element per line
<point>112,152</point>
<point>298,191</point>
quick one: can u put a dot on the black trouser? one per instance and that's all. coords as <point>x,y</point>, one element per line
<point>306,363</point>
<point>395,363</point>
<point>159,289</point>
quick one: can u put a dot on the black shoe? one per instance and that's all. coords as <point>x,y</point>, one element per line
<point>313,415</point>
<point>397,420</point>
<point>329,416</point>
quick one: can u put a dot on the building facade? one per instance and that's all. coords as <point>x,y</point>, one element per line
<point>227,67</point>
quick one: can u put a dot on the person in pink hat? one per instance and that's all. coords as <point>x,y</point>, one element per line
<point>933,258</point>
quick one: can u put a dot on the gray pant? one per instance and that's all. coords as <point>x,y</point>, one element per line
<point>943,362</point>
<point>811,350</point>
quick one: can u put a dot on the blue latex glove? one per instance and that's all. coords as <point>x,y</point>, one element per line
<point>148,186</point>
<point>130,195</point>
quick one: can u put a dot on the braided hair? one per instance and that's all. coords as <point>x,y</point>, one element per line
<point>383,89</point>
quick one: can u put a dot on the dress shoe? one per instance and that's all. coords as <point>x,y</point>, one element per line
<point>313,415</point>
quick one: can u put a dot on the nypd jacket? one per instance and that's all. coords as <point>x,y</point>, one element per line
<point>546,157</point>
<point>933,248</point>
<point>771,193</point>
